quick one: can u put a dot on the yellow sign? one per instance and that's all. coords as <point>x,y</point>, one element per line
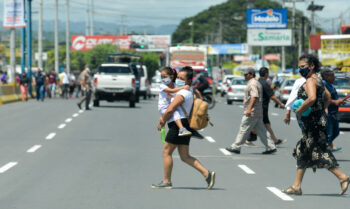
<point>336,45</point>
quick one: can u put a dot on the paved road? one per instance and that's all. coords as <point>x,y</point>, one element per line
<point>108,158</point>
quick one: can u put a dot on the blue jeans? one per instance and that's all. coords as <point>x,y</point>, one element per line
<point>300,123</point>
<point>52,90</point>
<point>40,92</point>
<point>332,127</point>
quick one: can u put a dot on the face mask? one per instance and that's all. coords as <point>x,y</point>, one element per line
<point>166,81</point>
<point>179,83</point>
<point>304,72</point>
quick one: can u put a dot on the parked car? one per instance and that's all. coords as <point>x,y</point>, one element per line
<point>342,85</point>
<point>226,82</point>
<point>285,90</point>
<point>155,86</point>
<point>114,82</point>
<point>144,83</point>
<point>235,92</point>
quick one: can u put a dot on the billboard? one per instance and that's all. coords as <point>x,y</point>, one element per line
<point>335,44</point>
<point>228,49</point>
<point>266,18</point>
<point>14,14</point>
<point>276,37</point>
<point>85,43</point>
<point>152,41</point>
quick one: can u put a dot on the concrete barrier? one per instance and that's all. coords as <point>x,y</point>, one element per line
<point>10,93</point>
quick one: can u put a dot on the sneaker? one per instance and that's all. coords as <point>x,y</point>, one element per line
<point>162,185</point>
<point>197,135</point>
<point>184,132</point>
<point>211,179</point>
<point>79,105</point>
<point>250,144</point>
<point>230,149</point>
<point>267,152</point>
<point>280,141</point>
<point>335,149</point>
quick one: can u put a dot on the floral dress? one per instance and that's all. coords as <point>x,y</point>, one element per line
<point>312,149</point>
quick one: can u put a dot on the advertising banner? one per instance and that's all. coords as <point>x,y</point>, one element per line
<point>14,14</point>
<point>160,42</point>
<point>335,44</point>
<point>276,37</point>
<point>228,49</point>
<point>266,18</point>
<point>241,58</point>
<point>272,57</point>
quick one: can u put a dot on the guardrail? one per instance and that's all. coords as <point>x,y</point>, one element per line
<point>10,93</point>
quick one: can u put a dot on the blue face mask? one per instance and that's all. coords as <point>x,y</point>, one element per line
<point>166,81</point>
<point>180,83</point>
<point>304,72</point>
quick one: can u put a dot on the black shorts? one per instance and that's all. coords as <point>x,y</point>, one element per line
<point>266,115</point>
<point>172,135</point>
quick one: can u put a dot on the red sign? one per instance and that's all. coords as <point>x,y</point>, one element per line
<point>272,57</point>
<point>84,43</point>
<point>315,42</point>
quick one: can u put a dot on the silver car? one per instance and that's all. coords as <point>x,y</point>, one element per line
<point>286,89</point>
<point>235,92</point>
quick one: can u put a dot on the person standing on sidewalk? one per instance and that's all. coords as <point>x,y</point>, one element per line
<point>86,88</point>
<point>173,140</point>
<point>24,87</point>
<point>253,117</point>
<point>267,95</point>
<point>332,120</point>
<point>65,84</point>
<point>40,85</point>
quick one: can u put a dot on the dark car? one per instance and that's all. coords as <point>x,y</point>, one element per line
<point>342,85</point>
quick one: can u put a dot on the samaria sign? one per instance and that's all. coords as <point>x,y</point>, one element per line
<point>261,37</point>
<point>266,18</point>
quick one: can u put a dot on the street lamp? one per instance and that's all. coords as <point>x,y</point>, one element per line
<point>313,7</point>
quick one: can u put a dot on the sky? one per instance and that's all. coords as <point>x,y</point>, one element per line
<point>164,12</point>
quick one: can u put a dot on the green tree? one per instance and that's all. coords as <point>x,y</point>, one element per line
<point>99,54</point>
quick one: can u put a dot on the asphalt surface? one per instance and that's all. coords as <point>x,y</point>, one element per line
<point>108,158</point>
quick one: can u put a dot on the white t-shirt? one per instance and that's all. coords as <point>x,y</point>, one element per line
<point>163,100</point>
<point>294,94</point>
<point>188,97</point>
<point>65,78</point>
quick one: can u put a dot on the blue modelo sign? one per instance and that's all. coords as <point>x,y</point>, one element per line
<point>266,18</point>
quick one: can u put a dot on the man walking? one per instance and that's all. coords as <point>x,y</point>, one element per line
<point>52,84</point>
<point>65,83</point>
<point>252,118</point>
<point>267,95</point>
<point>332,121</point>
<point>86,87</point>
<point>40,85</point>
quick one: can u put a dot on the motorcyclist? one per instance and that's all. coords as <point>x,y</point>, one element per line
<point>201,83</point>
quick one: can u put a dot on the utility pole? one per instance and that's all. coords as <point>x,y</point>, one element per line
<point>303,35</point>
<point>87,20</point>
<point>56,38</point>
<point>92,18</point>
<point>250,6</point>
<point>29,45</point>
<point>12,77</point>
<point>294,40</point>
<point>67,38</point>
<point>283,51</point>
<point>40,35</point>
<point>121,27</point>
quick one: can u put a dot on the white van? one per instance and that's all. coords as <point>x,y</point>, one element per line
<point>145,90</point>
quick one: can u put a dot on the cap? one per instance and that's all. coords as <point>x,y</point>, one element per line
<point>249,70</point>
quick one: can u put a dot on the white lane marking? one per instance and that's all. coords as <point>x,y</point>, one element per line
<point>280,194</point>
<point>6,167</point>
<point>81,111</point>
<point>293,118</point>
<point>68,120</point>
<point>341,132</point>
<point>50,136</point>
<point>75,115</point>
<point>62,126</point>
<point>274,114</point>
<point>225,152</point>
<point>34,148</point>
<point>246,169</point>
<point>210,139</point>
<point>241,106</point>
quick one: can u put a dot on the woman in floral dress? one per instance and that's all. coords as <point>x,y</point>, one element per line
<point>312,149</point>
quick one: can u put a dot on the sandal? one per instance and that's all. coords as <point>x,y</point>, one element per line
<point>347,180</point>
<point>291,190</point>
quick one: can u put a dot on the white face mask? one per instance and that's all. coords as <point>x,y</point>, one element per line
<point>166,81</point>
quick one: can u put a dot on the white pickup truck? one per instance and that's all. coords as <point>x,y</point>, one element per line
<point>114,82</point>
